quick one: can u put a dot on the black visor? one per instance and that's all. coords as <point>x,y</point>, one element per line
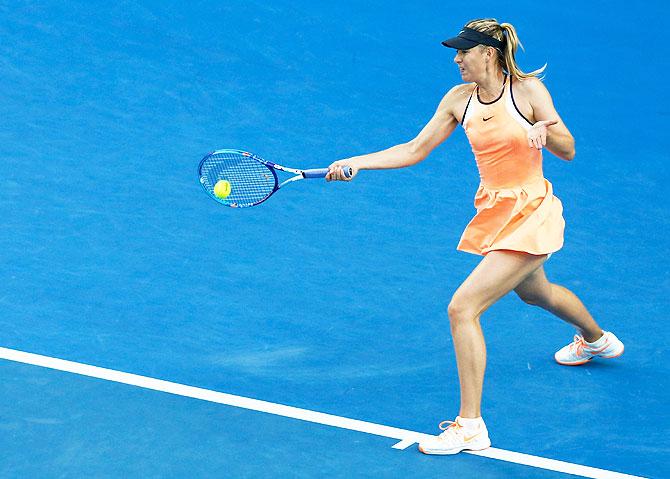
<point>469,38</point>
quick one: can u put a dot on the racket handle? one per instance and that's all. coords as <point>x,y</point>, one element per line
<point>322,172</point>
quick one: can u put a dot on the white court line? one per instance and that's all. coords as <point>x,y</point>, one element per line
<point>404,444</point>
<point>406,437</point>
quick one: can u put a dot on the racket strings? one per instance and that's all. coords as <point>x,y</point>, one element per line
<point>250,181</point>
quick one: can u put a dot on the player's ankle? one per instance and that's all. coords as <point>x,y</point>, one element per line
<point>593,337</point>
<point>470,423</point>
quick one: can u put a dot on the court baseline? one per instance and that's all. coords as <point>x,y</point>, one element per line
<point>406,437</point>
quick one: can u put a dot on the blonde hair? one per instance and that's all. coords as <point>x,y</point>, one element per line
<point>506,33</point>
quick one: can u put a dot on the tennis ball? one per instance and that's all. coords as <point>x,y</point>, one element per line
<point>222,189</point>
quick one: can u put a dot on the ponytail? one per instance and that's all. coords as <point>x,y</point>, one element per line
<point>506,33</point>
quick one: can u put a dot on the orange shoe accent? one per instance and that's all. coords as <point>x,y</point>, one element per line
<point>614,356</point>
<point>470,438</point>
<point>457,425</point>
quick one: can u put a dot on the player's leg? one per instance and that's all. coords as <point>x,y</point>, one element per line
<point>592,340</point>
<point>538,291</point>
<point>496,275</point>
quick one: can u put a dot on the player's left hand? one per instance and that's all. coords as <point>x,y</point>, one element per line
<point>537,135</point>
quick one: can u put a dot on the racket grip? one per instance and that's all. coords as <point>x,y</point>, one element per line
<point>315,173</point>
<point>322,172</point>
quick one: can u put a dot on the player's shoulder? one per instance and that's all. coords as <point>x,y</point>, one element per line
<point>530,86</point>
<point>460,91</point>
<point>458,95</point>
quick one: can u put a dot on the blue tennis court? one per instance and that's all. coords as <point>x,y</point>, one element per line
<point>330,298</point>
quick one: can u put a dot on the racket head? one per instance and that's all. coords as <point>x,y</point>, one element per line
<point>251,180</point>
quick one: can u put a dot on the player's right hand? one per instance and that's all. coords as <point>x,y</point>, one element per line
<point>335,172</point>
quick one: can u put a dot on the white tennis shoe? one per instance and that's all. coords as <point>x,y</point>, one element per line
<point>580,352</point>
<point>456,438</point>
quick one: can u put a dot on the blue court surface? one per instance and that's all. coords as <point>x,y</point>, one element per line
<point>330,297</point>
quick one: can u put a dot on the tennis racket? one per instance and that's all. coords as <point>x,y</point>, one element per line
<point>246,179</point>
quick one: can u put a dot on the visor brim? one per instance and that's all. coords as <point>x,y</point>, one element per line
<point>460,43</point>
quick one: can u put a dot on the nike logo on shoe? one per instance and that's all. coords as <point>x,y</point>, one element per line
<point>487,119</point>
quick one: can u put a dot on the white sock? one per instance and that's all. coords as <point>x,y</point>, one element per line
<point>598,343</point>
<point>470,424</point>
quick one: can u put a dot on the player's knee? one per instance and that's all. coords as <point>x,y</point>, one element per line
<point>459,311</point>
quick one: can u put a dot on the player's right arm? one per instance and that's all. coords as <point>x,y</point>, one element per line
<point>438,129</point>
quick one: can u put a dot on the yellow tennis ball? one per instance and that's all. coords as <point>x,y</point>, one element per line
<point>222,189</point>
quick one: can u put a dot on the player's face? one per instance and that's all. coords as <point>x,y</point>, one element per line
<point>471,63</point>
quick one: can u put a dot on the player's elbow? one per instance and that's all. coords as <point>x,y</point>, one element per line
<point>568,154</point>
<point>566,149</point>
<point>415,152</point>
<point>570,150</point>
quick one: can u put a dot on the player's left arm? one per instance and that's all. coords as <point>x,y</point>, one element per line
<point>549,129</point>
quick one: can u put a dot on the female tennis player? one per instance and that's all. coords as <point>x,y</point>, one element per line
<point>508,117</point>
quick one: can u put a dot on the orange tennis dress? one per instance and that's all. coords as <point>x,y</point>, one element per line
<point>516,207</point>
